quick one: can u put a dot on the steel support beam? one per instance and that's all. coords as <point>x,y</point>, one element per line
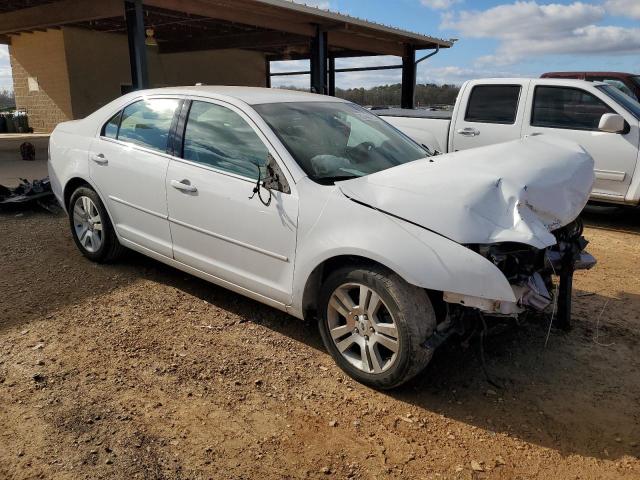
<point>409,69</point>
<point>332,76</point>
<point>267,73</point>
<point>137,47</point>
<point>319,52</point>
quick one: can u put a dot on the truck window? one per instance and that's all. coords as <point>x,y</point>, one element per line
<point>619,84</point>
<point>493,104</point>
<point>566,107</point>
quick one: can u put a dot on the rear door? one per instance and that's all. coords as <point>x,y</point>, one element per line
<point>218,225</point>
<point>490,112</point>
<point>128,165</point>
<point>574,113</point>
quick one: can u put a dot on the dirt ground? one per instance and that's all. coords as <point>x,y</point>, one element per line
<point>136,370</point>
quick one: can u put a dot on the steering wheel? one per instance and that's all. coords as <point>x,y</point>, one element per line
<point>360,152</point>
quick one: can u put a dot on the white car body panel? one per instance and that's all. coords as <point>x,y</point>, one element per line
<point>269,252</point>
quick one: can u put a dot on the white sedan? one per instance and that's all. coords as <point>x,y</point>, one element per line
<point>313,205</point>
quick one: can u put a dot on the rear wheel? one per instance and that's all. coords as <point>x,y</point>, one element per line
<point>373,323</point>
<point>91,228</point>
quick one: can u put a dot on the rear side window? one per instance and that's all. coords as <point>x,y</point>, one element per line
<point>493,104</point>
<point>110,129</point>
<point>218,137</point>
<point>565,107</point>
<point>147,123</point>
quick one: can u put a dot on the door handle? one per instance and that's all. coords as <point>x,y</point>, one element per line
<point>468,132</point>
<point>100,159</point>
<point>184,186</point>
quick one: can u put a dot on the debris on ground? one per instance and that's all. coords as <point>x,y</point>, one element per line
<point>27,193</point>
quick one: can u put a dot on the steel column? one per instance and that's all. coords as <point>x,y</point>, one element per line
<point>319,62</point>
<point>409,68</point>
<point>267,70</point>
<point>332,76</point>
<point>137,48</point>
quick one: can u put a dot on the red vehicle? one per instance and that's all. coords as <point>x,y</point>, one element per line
<point>629,83</point>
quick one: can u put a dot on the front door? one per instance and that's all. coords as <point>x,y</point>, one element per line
<point>574,114</point>
<point>128,165</point>
<point>216,227</point>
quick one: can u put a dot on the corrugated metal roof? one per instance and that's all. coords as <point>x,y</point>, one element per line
<point>341,17</point>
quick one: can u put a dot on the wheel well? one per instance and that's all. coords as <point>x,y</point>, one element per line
<point>322,271</point>
<point>71,187</point>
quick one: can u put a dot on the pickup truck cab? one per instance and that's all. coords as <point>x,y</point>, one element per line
<point>603,120</point>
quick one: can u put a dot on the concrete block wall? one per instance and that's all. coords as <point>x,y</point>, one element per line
<point>79,71</point>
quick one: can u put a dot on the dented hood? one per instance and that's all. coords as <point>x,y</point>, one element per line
<point>518,191</point>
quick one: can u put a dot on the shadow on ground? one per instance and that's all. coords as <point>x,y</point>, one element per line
<point>573,396</point>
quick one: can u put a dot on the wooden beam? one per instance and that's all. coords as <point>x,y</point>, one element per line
<point>59,13</point>
<point>247,40</point>
<point>5,40</point>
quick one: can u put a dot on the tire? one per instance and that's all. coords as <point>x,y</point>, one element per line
<point>403,311</point>
<point>103,246</point>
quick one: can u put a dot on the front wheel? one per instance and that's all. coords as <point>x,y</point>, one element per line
<point>373,323</point>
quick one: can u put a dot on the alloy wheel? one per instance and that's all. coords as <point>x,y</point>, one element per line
<point>362,328</point>
<point>87,224</point>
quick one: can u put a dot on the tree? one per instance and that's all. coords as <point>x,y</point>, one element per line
<point>389,95</point>
<point>7,100</point>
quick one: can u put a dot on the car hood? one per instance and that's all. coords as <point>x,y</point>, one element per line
<point>517,191</point>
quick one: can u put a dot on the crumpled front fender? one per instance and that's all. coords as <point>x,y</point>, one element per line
<point>423,258</point>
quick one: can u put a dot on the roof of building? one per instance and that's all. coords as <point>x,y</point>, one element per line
<point>280,28</point>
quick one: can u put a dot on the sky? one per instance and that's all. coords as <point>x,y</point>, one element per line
<point>496,38</point>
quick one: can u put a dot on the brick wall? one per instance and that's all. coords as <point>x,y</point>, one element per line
<point>41,55</point>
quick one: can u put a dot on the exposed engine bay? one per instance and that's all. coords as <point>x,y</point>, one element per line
<point>531,271</point>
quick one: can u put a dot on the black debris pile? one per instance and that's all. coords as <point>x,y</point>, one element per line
<point>28,193</point>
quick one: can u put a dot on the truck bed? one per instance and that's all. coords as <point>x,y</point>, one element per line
<point>414,113</point>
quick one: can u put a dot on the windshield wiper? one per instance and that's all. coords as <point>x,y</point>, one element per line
<point>337,178</point>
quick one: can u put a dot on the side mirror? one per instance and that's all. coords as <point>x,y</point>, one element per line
<point>612,123</point>
<point>275,179</point>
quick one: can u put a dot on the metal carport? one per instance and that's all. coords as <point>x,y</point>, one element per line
<point>280,29</point>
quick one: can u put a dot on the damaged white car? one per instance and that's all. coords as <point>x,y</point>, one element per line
<point>317,207</point>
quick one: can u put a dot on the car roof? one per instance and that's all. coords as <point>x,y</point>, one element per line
<point>249,95</point>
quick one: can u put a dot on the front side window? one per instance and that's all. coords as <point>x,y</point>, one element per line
<point>564,107</point>
<point>334,141</point>
<point>147,123</point>
<point>218,137</point>
<point>493,104</point>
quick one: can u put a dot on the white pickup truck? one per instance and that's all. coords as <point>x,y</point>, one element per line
<point>597,116</point>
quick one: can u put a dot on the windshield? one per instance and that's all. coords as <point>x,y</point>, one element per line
<point>636,80</point>
<point>336,141</point>
<point>628,103</point>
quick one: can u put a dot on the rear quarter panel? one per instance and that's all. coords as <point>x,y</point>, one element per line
<point>68,157</point>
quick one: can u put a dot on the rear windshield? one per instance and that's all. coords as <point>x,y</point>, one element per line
<point>334,141</point>
<point>628,103</point>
